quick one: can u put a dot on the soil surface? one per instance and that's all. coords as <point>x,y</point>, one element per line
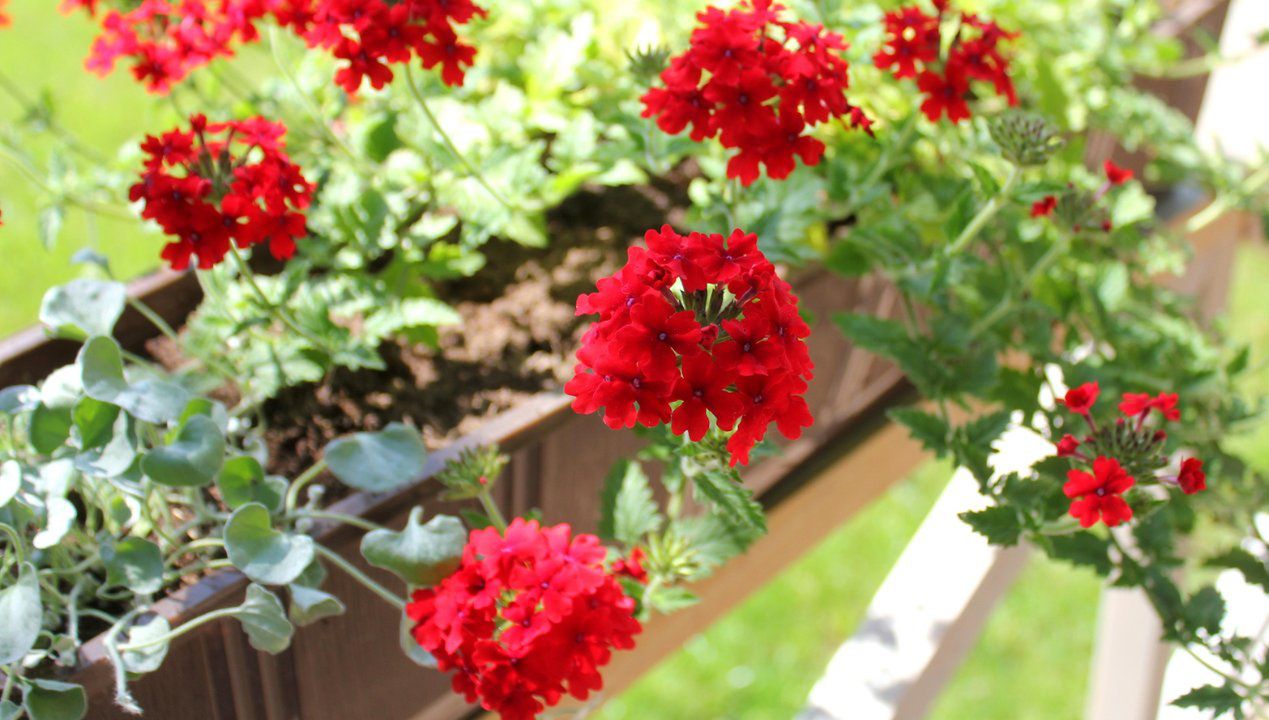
<point>517,337</point>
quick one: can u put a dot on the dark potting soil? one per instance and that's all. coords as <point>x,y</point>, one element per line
<point>517,337</point>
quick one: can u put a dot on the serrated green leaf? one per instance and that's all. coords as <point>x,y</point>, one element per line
<point>420,554</point>
<point>1206,609</point>
<point>149,658</point>
<point>192,460</point>
<point>52,700</point>
<point>264,620</point>
<point>670,599</point>
<point>262,553</point>
<point>999,524</point>
<point>242,480</point>
<point>1255,570</point>
<point>378,461</point>
<point>983,431</point>
<point>733,501</point>
<point>83,308</point>
<point>1219,699</point>
<point>20,616</point>
<point>1083,548</point>
<point>308,605</point>
<point>932,432</point>
<point>627,509</point>
<point>134,563</point>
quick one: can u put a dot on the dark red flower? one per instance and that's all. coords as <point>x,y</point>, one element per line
<point>1080,400</point>
<point>688,321</point>
<point>222,183</point>
<point>1192,479</point>
<point>1067,446</point>
<point>1045,207</point>
<point>632,566</point>
<point>1099,496</point>
<point>1115,174</point>
<point>757,83</point>
<point>1140,404</point>
<point>527,618</point>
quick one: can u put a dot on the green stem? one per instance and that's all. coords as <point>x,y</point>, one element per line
<point>10,677</point>
<point>885,160</point>
<point>171,635</point>
<point>14,90</point>
<point>122,697</point>
<point>1225,203</point>
<point>274,309</point>
<point>449,143</point>
<point>491,509</point>
<point>199,544</point>
<point>313,112</point>
<point>293,492</point>
<point>985,214</point>
<point>1042,265</point>
<point>82,203</point>
<point>338,561</point>
<point>16,541</point>
<point>352,520</point>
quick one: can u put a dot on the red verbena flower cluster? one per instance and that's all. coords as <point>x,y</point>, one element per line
<point>218,183</point>
<point>528,617</point>
<point>914,49</point>
<point>757,83</point>
<point>1131,446</point>
<point>369,35</point>
<point>167,39</point>
<point>692,327</point>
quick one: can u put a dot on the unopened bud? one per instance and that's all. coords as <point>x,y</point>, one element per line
<point>1025,138</point>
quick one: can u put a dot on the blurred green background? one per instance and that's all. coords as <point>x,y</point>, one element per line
<point>759,661</point>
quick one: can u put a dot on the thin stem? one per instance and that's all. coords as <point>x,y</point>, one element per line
<point>985,214</point>
<point>18,548</point>
<point>274,309</point>
<point>82,203</point>
<point>199,544</point>
<point>449,143</point>
<point>491,509</point>
<point>171,635</point>
<point>309,107</point>
<point>10,677</point>
<point>293,492</point>
<point>1226,675</point>
<point>122,697</point>
<point>14,90</point>
<point>1042,265</point>
<point>352,520</point>
<point>170,333</point>
<point>338,561</point>
<point>1224,203</point>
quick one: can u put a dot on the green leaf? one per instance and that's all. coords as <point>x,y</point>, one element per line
<point>52,700</point>
<point>930,430</point>
<point>308,605</point>
<point>95,421</point>
<point>83,308</point>
<point>9,711</point>
<point>411,647</point>
<point>628,511</point>
<point>60,515</point>
<point>998,523</point>
<point>19,399</point>
<point>983,431</point>
<point>1219,699</point>
<point>20,616</point>
<point>420,554</point>
<point>1083,548</point>
<point>49,429</point>
<point>1254,569</point>
<point>10,481</point>
<point>733,501</point>
<point>378,461</point>
<point>153,401</point>
<point>101,366</point>
<point>116,457</point>
<point>48,224</point>
<point>149,658</point>
<point>671,599</point>
<point>192,460</point>
<point>264,620</point>
<point>242,480</point>
<point>134,563</point>
<point>1206,609</point>
<point>262,553</point>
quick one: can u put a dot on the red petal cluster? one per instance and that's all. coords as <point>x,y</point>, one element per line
<point>217,183</point>
<point>757,83</point>
<point>168,39</point>
<point>527,618</point>
<point>1116,175</point>
<point>695,327</point>
<point>1099,495</point>
<point>913,49</point>
<point>369,35</point>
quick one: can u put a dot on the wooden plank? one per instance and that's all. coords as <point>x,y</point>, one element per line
<point>1129,659</point>
<point>923,620</point>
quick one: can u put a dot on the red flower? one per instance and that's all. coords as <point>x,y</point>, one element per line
<point>222,183</point>
<point>1115,174</point>
<point>756,82</point>
<point>1067,446</point>
<point>685,321</point>
<point>1045,207</point>
<point>1192,479</point>
<point>1080,400</point>
<point>526,618</point>
<point>911,50</point>
<point>1099,496</point>
<point>1140,404</point>
<point>632,566</point>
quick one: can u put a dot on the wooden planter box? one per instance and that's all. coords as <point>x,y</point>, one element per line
<point>352,666</point>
